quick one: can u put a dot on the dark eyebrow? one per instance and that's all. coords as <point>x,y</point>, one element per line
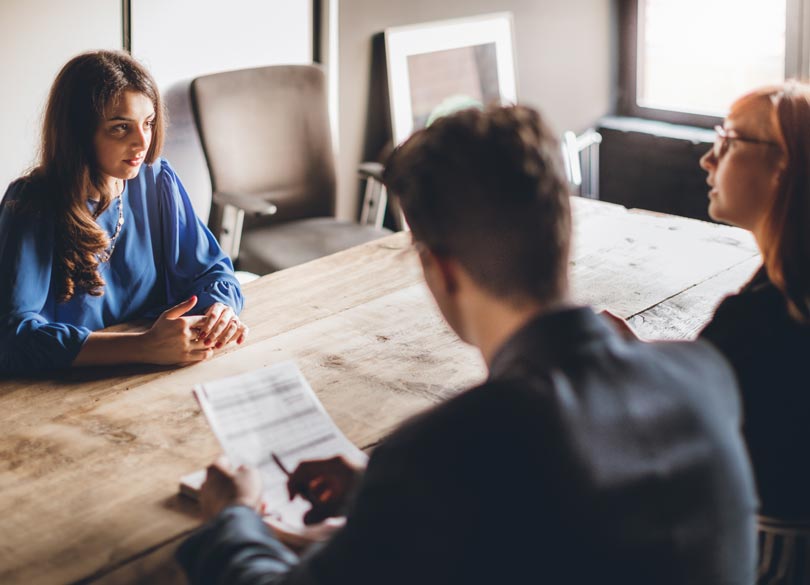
<point>123,119</point>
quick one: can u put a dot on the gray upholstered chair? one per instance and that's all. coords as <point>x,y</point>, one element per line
<point>265,135</point>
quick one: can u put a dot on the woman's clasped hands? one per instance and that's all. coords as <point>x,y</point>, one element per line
<point>221,326</point>
<point>175,338</point>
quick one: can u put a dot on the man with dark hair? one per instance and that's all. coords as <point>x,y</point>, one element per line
<point>584,458</point>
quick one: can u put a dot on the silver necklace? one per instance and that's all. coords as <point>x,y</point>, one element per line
<point>106,255</point>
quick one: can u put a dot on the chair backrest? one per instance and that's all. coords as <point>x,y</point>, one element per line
<point>266,131</point>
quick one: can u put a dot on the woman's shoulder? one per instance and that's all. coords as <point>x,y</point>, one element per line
<point>26,221</point>
<point>24,196</point>
<point>757,315</point>
<point>758,293</point>
<point>158,177</point>
<point>161,169</point>
<point>15,190</point>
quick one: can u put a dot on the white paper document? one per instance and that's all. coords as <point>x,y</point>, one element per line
<point>273,411</point>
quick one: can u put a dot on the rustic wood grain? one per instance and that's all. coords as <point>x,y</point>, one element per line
<point>90,459</point>
<point>682,316</point>
<point>630,261</point>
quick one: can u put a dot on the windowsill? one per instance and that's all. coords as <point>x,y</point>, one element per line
<point>693,134</point>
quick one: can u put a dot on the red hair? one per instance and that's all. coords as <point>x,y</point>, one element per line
<point>786,229</point>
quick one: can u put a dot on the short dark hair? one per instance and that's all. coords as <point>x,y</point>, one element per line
<point>488,189</point>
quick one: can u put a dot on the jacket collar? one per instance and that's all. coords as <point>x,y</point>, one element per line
<point>548,337</point>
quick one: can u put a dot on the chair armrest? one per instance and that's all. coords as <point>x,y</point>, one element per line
<point>253,204</point>
<point>371,170</point>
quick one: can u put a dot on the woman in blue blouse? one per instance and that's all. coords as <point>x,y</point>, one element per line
<point>102,232</point>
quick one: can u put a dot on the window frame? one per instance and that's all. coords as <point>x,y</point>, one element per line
<point>797,63</point>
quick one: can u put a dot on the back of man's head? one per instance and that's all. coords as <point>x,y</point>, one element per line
<point>487,189</point>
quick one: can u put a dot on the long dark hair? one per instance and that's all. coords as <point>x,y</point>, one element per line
<point>68,172</point>
<point>786,233</point>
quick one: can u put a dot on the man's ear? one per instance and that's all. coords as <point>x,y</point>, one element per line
<point>441,270</point>
<point>449,270</point>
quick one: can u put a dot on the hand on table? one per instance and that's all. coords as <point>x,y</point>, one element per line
<point>174,339</point>
<point>326,484</point>
<point>620,325</point>
<point>221,326</point>
<point>225,487</point>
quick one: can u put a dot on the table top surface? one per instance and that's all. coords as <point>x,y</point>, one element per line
<point>90,459</point>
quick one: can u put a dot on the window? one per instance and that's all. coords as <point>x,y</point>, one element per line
<point>686,60</point>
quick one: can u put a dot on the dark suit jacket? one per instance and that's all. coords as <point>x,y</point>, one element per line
<point>584,458</point>
<point>769,353</point>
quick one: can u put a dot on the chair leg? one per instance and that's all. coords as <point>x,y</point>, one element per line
<point>375,200</point>
<point>368,201</point>
<point>230,232</point>
<point>382,204</point>
<point>570,140</point>
<point>594,160</point>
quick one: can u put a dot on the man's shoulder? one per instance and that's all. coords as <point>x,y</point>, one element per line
<point>695,360</point>
<point>537,400</point>
<point>695,372</point>
<point>493,405</point>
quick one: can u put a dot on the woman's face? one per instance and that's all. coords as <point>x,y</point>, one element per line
<point>123,137</point>
<point>744,167</point>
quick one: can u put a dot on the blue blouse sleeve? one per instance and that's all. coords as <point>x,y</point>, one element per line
<point>29,342</point>
<point>195,264</point>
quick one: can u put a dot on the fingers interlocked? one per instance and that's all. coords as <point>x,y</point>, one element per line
<point>221,326</point>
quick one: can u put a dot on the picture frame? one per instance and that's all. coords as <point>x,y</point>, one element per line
<point>439,67</point>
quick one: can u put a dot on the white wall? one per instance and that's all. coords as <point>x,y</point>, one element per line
<point>176,39</point>
<point>37,37</point>
<point>182,39</point>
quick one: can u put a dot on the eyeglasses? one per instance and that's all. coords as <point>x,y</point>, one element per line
<point>723,139</point>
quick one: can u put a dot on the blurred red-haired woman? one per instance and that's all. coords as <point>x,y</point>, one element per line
<point>759,173</point>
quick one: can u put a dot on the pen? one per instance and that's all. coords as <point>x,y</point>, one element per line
<point>303,493</point>
<point>280,464</point>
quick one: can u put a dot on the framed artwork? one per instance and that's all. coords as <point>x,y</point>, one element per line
<point>440,67</point>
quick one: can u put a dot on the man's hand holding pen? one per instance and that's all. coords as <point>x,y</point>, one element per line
<point>324,483</point>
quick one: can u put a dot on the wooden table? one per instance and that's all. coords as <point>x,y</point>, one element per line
<point>89,461</point>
